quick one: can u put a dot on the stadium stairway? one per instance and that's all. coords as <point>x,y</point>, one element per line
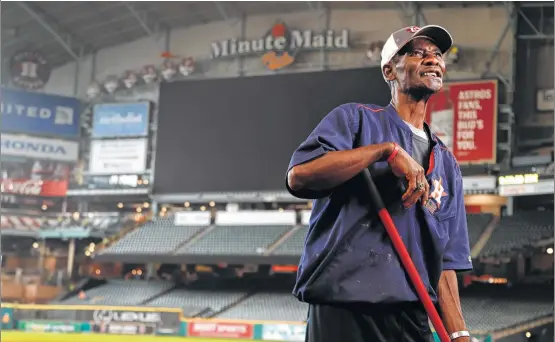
<point>282,239</point>
<point>160,294</point>
<point>486,234</point>
<point>128,227</point>
<point>213,314</point>
<point>194,239</point>
<point>83,285</point>
<point>73,291</point>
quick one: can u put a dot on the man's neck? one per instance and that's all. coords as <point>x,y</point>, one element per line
<point>410,110</point>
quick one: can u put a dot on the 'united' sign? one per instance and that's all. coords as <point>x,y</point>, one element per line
<point>464,116</point>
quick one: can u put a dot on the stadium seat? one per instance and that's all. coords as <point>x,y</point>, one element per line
<point>500,308</point>
<point>268,306</point>
<point>160,236</point>
<point>122,292</point>
<point>195,301</point>
<point>294,244</point>
<point>235,240</point>
<point>519,231</point>
<point>477,223</point>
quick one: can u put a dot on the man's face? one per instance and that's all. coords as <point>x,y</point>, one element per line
<point>420,67</point>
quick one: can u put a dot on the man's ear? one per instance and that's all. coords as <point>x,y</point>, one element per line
<point>389,72</point>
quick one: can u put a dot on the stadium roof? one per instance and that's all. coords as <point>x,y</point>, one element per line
<point>62,31</point>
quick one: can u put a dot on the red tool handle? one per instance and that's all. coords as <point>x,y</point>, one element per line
<point>405,258</point>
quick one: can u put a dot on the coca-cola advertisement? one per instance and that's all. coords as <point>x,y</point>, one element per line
<point>28,177</point>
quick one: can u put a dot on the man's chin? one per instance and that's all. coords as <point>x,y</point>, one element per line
<point>434,86</point>
<point>424,91</point>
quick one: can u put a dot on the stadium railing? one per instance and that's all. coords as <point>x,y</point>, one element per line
<point>131,320</point>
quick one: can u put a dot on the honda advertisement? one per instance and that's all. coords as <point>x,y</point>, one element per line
<point>464,116</point>
<point>39,148</point>
<point>135,322</point>
<point>34,166</point>
<point>39,114</point>
<point>113,120</point>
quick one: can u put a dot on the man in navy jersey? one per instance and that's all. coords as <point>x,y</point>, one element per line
<point>349,272</point>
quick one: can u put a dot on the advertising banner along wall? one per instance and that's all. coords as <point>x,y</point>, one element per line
<point>133,322</point>
<point>112,120</point>
<point>41,114</point>
<point>39,148</point>
<point>126,156</point>
<point>464,116</point>
<point>32,177</point>
<point>284,332</point>
<point>220,330</point>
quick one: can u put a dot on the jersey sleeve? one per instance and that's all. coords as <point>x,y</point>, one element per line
<point>335,132</point>
<point>457,252</point>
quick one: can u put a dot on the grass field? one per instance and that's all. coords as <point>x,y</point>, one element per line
<point>18,336</point>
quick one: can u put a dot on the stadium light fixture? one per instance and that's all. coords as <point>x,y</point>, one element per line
<point>528,334</point>
<point>549,251</point>
<point>212,204</point>
<point>120,205</point>
<point>35,245</point>
<point>202,208</point>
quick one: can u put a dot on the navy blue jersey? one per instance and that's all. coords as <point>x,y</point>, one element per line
<point>348,257</point>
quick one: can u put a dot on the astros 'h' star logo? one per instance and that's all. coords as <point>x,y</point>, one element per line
<point>277,59</point>
<point>438,191</point>
<point>413,29</point>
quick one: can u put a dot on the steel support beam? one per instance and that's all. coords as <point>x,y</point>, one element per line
<point>532,26</point>
<point>500,40</point>
<point>327,24</point>
<point>419,17</point>
<point>509,83</point>
<point>243,35</point>
<point>406,12</point>
<point>539,36</point>
<point>536,4</point>
<point>141,17</point>
<point>222,11</point>
<point>64,39</point>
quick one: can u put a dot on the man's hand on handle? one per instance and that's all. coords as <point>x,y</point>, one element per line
<point>403,165</point>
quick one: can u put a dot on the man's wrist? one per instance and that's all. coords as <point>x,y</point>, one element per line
<point>387,150</point>
<point>460,336</point>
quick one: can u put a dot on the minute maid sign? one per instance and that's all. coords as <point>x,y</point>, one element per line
<point>280,45</point>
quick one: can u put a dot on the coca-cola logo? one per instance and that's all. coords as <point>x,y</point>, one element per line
<point>28,187</point>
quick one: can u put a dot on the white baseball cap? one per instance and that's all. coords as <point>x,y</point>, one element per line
<point>399,39</point>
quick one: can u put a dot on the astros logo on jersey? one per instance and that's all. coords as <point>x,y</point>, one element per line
<point>438,192</point>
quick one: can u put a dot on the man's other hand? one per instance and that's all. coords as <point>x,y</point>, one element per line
<point>418,188</point>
